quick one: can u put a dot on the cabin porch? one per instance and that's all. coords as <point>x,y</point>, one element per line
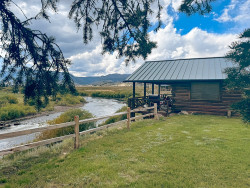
<point>161,97</point>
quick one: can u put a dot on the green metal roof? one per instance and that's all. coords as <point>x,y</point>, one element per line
<point>181,70</point>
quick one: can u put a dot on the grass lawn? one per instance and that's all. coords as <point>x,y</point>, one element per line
<point>180,151</point>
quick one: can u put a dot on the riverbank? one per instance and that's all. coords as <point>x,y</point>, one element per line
<point>12,107</point>
<point>10,103</point>
<point>44,113</point>
<point>96,106</point>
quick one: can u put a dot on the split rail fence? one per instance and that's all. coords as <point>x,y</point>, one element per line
<point>76,134</point>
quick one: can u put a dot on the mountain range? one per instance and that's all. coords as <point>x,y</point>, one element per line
<point>96,80</point>
<point>93,80</point>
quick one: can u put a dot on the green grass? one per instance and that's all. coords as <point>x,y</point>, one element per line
<point>180,151</point>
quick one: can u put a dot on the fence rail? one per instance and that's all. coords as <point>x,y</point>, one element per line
<point>76,135</point>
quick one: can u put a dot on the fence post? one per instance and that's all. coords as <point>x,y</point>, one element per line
<point>128,118</point>
<point>155,111</point>
<point>76,144</point>
<point>167,107</point>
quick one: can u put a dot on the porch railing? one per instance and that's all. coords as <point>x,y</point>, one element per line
<point>141,101</point>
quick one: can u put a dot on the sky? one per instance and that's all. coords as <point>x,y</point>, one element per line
<point>181,36</point>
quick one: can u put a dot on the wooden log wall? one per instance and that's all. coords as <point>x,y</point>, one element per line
<point>181,94</point>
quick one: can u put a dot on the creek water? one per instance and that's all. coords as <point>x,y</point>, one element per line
<point>96,106</point>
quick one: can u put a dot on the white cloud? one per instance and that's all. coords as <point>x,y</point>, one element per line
<point>88,61</point>
<point>176,4</point>
<point>238,11</point>
<point>94,63</point>
<point>196,43</point>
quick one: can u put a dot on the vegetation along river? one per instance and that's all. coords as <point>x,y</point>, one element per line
<point>96,106</point>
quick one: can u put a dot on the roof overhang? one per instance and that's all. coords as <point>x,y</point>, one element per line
<point>173,81</point>
<point>182,70</point>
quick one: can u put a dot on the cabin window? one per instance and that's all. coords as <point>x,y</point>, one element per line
<point>205,91</point>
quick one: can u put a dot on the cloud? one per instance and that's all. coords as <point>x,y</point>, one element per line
<point>171,45</point>
<point>93,63</point>
<point>238,11</point>
<point>87,59</point>
<point>196,43</point>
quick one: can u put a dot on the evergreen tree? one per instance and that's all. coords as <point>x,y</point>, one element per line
<point>190,7</point>
<point>33,60</point>
<point>30,58</point>
<point>239,76</point>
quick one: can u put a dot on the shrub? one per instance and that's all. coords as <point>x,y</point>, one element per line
<point>11,99</point>
<point>31,102</point>
<point>117,118</point>
<point>110,94</point>
<point>3,102</point>
<point>13,111</point>
<point>83,93</point>
<point>67,116</point>
<point>8,99</point>
<point>69,100</point>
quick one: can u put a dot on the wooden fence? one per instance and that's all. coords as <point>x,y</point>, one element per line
<point>76,124</point>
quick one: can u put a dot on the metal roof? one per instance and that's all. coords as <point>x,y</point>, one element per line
<point>181,70</point>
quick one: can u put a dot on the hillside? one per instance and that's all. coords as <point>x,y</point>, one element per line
<point>110,78</point>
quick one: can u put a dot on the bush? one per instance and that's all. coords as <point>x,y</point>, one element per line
<point>8,99</point>
<point>117,118</point>
<point>11,99</point>
<point>69,100</point>
<point>67,116</point>
<point>13,111</point>
<point>31,102</point>
<point>110,94</point>
<point>243,107</point>
<point>83,94</point>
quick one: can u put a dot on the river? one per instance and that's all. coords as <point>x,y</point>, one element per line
<point>96,106</point>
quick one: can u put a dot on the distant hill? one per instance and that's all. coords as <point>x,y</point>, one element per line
<point>110,78</point>
<point>91,80</point>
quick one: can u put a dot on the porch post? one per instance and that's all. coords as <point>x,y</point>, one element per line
<point>153,88</point>
<point>133,105</point>
<point>159,89</point>
<point>145,84</point>
<point>133,89</point>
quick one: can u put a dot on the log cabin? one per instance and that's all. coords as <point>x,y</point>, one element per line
<point>197,84</point>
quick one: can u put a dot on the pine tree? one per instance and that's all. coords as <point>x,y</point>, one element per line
<point>190,7</point>
<point>33,60</point>
<point>239,76</point>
